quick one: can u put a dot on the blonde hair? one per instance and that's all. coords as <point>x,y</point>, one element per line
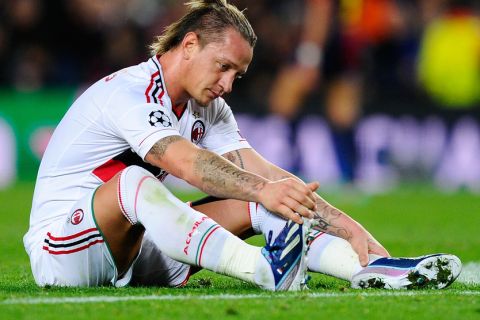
<point>208,19</point>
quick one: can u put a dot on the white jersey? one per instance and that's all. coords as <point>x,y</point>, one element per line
<point>113,125</point>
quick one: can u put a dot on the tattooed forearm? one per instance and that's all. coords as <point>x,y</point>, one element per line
<point>328,218</point>
<point>235,157</point>
<point>334,231</point>
<point>158,150</point>
<point>223,179</point>
<point>322,223</point>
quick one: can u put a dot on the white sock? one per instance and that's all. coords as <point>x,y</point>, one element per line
<point>327,254</point>
<point>182,233</point>
<point>333,256</point>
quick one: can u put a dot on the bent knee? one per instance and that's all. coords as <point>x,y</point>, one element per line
<point>137,186</point>
<point>135,173</point>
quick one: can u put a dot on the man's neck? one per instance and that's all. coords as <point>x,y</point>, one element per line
<point>172,76</point>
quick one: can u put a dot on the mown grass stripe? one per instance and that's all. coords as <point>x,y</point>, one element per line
<point>109,299</point>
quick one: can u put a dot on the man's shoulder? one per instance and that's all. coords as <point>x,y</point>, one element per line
<point>136,76</point>
<point>131,86</point>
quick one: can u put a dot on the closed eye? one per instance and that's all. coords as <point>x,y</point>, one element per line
<point>223,66</point>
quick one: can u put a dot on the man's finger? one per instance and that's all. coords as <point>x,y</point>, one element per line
<point>288,214</point>
<point>313,186</point>
<point>298,208</point>
<point>363,257</point>
<point>362,250</point>
<point>305,199</point>
<point>378,250</point>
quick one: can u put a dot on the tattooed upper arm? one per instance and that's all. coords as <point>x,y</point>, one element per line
<point>160,147</point>
<point>235,157</point>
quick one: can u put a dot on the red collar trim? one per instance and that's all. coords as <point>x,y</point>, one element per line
<point>179,110</point>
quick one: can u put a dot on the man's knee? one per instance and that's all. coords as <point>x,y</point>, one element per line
<point>136,187</point>
<point>129,183</point>
<point>134,174</point>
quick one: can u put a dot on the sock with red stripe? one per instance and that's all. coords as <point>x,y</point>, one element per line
<point>327,254</point>
<point>182,233</point>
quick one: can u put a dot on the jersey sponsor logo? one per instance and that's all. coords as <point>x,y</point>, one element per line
<point>158,118</point>
<point>77,217</point>
<point>198,131</point>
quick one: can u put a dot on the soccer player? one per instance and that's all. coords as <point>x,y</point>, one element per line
<point>101,215</point>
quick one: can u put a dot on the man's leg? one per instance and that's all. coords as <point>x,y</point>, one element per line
<point>233,215</point>
<point>327,254</point>
<point>135,200</point>
<point>334,256</point>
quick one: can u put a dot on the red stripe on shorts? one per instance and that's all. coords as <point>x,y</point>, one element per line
<point>73,250</point>
<point>76,235</point>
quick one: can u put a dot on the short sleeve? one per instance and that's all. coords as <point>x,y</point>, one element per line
<point>142,125</point>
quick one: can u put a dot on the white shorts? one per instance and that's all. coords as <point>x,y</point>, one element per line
<point>75,253</point>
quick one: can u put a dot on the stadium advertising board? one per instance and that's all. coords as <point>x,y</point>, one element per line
<point>390,149</point>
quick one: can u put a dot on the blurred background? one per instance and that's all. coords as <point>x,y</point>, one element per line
<point>364,94</point>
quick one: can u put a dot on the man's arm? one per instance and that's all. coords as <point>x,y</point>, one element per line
<point>330,219</point>
<point>216,176</point>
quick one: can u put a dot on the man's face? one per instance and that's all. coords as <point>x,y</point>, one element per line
<point>213,68</point>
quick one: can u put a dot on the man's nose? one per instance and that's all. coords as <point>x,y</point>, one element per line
<point>226,82</point>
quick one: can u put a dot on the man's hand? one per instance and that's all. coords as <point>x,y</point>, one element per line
<point>363,243</point>
<point>290,198</point>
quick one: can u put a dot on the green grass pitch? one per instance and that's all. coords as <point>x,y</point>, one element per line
<point>410,221</point>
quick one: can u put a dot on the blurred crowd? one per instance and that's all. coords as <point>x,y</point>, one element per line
<point>336,57</point>
<point>346,61</point>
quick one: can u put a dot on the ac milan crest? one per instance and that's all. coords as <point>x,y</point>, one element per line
<point>77,217</point>
<point>198,131</point>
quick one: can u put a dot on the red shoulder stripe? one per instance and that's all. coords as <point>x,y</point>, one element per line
<point>152,81</point>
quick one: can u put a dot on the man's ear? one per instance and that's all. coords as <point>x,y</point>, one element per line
<point>190,44</point>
